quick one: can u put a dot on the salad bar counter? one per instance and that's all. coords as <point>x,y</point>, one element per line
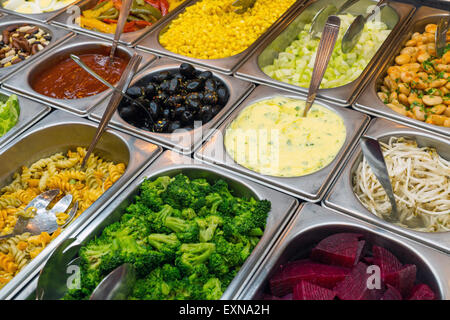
<point>170,149</point>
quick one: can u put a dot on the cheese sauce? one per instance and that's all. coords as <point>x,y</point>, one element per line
<point>272,137</point>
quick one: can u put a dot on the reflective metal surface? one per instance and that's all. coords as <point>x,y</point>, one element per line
<point>58,35</point>
<point>59,132</point>
<point>312,223</point>
<point>309,187</point>
<point>342,198</point>
<point>225,65</point>
<point>188,141</point>
<point>369,102</point>
<point>394,16</point>
<point>21,82</point>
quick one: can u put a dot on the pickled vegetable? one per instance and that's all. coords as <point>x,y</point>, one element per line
<point>9,114</point>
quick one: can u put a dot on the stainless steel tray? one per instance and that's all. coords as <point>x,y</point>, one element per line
<point>369,102</point>
<point>184,142</point>
<point>66,19</point>
<point>309,187</point>
<point>30,113</point>
<point>58,36</point>
<point>312,223</point>
<point>394,16</point>
<point>171,163</point>
<point>42,17</point>
<point>224,65</point>
<point>20,82</point>
<point>59,132</point>
<point>342,198</point>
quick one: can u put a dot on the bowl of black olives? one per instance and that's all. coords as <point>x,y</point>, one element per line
<point>174,99</point>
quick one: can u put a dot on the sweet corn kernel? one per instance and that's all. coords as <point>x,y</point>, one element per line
<point>210,29</point>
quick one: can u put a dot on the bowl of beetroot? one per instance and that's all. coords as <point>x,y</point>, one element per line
<point>324,255</point>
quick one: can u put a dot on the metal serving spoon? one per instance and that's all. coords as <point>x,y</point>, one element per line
<point>117,285</point>
<point>326,46</point>
<point>441,35</point>
<point>123,15</point>
<point>44,220</point>
<point>354,31</point>
<point>318,22</point>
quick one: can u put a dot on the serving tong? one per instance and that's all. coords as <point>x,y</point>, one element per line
<point>319,20</point>
<point>43,220</point>
<point>323,55</point>
<point>354,31</point>
<point>441,35</point>
<point>123,15</point>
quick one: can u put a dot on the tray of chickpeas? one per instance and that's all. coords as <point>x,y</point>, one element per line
<point>412,85</point>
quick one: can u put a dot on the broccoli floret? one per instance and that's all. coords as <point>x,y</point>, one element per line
<point>167,244</point>
<point>77,294</point>
<point>152,287</point>
<point>193,256</point>
<point>186,231</point>
<point>208,226</point>
<point>150,192</point>
<point>252,216</point>
<point>157,219</point>
<point>179,193</point>
<point>188,214</point>
<point>212,289</point>
<point>230,252</point>
<point>217,264</point>
<point>93,253</point>
<point>221,187</point>
<point>213,201</point>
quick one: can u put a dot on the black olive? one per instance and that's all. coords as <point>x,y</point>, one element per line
<point>192,101</point>
<point>222,94</point>
<point>132,113</point>
<point>194,85</point>
<point>201,95</point>
<point>174,101</point>
<point>150,90</point>
<point>179,77</point>
<point>154,109</point>
<point>134,92</point>
<point>174,125</point>
<point>187,117</point>
<point>174,86</point>
<point>143,101</point>
<point>162,76</point>
<point>210,98</point>
<point>205,75</point>
<point>210,85</point>
<point>187,70</point>
<point>206,113</point>
<point>165,113</point>
<point>215,109</point>
<point>179,111</point>
<point>161,97</point>
<point>161,125</point>
<point>218,82</point>
<point>165,86</point>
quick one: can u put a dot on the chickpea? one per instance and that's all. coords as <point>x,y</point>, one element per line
<point>409,51</point>
<point>429,37</point>
<point>418,83</point>
<point>394,72</point>
<point>414,67</point>
<point>438,109</point>
<point>422,75</point>
<point>424,56</point>
<point>383,96</point>
<point>402,59</point>
<point>414,98</point>
<point>391,84</point>
<point>410,43</point>
<point>397,108</point>
<point>407,76</point>
<point>447,111</point>
<point>440,67</point>
<point>438,119</point>
<point>438,83</point>
<point>431,48</point>
<point>393,96</point>
<point>419,113</point>
<point>403,98</point>
<point>431,28</point>
<point>403,88</point>
<point>446,58</point>
<point>384,89</point>
<point>430,100</point>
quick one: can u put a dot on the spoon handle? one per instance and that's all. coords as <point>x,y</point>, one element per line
<point>379,5</point>
<point>372,152</point>
<point>123,15</point>
<point>441,35</point>
<point>326,46</point>
<point>346,5</point>
<point>125,79</point>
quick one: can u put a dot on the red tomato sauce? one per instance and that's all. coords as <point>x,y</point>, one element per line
<point>66,80</point>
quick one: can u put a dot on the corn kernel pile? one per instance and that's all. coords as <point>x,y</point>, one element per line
<point>210,29</point>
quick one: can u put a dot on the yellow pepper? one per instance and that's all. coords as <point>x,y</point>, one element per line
<point>89,23</point>
<point>94,13</point>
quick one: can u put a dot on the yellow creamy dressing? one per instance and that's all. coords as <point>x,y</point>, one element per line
<point>271,137</point>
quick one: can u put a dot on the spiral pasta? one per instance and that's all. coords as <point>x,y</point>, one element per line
<point>58,171</point>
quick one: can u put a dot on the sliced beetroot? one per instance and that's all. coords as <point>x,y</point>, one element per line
<point>422,292</point>
<point>290,274</point>
<point>305,290</point>
<point>385,260</point>
<point>341,249</point>
<point>354,286</point>
<point>403,279</point>
<point>391,294</point>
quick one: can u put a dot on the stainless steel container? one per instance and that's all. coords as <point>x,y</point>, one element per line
<point>42,17</point>
<point>309,187</point>
<point>171,164</point>
<point>60,132</point>
<point>394,16</point>
<point>369,102</point>
<point>66,19</point>
<point>342,198</point>
<point>58,36</point>
<point>312,223</point>
<point>30,113</point>
<point>224,65</point>
<point>185,142</point>
<point>21,82</point>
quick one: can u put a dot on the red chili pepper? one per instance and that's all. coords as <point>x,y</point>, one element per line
<point>154,3</point>
<point>109,20</point>
<point>117,4</point>
<point>142,23</point>
<point>164,5</point>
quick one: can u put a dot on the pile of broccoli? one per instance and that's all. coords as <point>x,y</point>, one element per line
<point>186,238</point>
